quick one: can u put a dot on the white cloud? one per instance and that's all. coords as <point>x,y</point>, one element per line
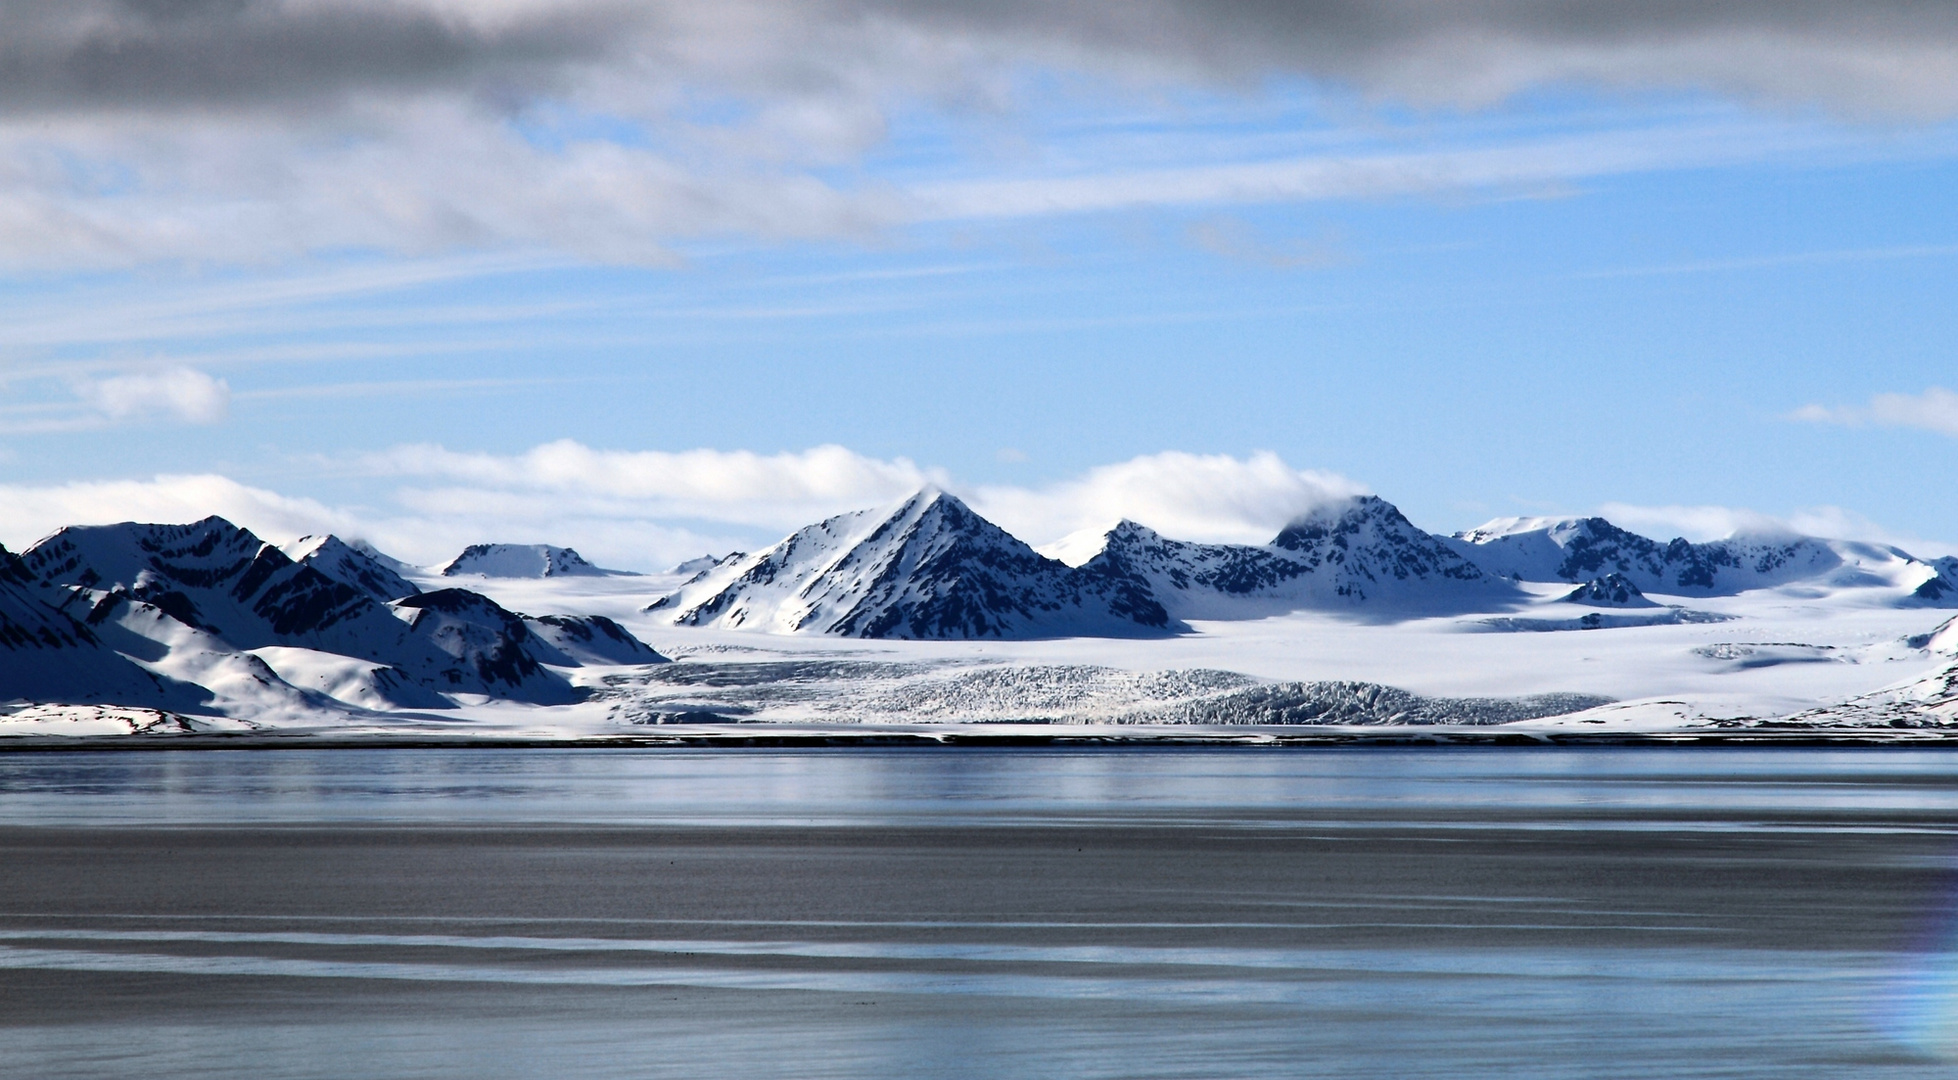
<point>1187,496</point>
<point>738,486</point>
<point>183,393</point>
<point>29,512</point>
<point>1703,523</point>
<point>649,510</point>
<point>1936,409</point>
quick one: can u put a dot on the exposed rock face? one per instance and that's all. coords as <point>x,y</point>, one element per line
<point>1367,549</point>
<point>591,639</point>
<point>224,582</point>
<point>1582,549</point>
<point>488,646</point>
<point>350,565</point>
<point>1611,590</point>
<point>220,578</point>
<point>1941,588</point>
<point>48,655</point>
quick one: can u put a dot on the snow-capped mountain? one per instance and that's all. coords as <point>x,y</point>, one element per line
<point>363,568</point>
<point>245,595</point>
<point>927,567</point>
<point>1580,549</point>
<point>1366,550</point>
<point>1348,555</point>
<point>489,645</point>
<point>521,561</point>
<point>218,577</point>
<point>47,654</point>
<point>1942,589</point>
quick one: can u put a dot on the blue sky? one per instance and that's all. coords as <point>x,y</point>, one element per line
<point>1679,284</point>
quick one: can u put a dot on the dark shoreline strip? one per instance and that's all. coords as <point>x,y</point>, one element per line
<point>1263,738</point>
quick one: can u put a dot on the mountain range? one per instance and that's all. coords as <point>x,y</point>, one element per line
<point>181,616</point>
<point>209,618</point>
<point>930,567</point>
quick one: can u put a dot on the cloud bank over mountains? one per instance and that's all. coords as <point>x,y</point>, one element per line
<point>245,130</point>
<point>649,510</point>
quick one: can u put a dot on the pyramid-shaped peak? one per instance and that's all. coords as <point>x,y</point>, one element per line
<point>927,498</point>
<point>353,565</point>
<point>927,566</point>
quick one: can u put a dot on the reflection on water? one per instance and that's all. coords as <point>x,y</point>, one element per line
<point>980,913</point>
<point>867,786</point>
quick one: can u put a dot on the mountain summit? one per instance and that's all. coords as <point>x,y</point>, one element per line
<point>1356,554</point>
<point>521,561</point>
<point>927,567</point>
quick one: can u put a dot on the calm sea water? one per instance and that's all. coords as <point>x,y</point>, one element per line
<point>960,912</point>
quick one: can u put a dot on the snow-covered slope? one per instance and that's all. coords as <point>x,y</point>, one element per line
<point>489,646</point>
<point>350,565</point>
<point>1364,549</point>
<point>927,567</point>
<point>702,564</point>
<point>591,639</point>
<point>205,625</point>
<point>507,649</point>
<point>1580,549</point>
<point>49,655</point>
<point>216,577</point>
<point>239,683</point>
<point>520,561</point>
<point>1357,555</point>
<point>1940,589</point>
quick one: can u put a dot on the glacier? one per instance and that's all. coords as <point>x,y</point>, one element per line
<point>922,615</point>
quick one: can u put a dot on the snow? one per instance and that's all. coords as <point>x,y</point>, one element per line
<point>352,565</point>
<point>521,561</point>
<point>925,567</point>
<point>1352,616</point>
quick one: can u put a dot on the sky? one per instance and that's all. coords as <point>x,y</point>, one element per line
<point>663,278</point>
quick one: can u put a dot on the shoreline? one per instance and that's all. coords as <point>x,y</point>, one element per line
<point>978,736</point>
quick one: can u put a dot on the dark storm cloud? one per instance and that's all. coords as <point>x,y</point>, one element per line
<point>139,130</point>
<point>151,55</point>
<point>1878,55</point>
<point>1896,56</point>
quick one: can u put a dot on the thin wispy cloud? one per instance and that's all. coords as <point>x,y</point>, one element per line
<point>1935,410</point>
<point>1771,262</point>
<point>1353,176</point>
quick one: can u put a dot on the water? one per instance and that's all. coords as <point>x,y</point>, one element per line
<point>962,912</point>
